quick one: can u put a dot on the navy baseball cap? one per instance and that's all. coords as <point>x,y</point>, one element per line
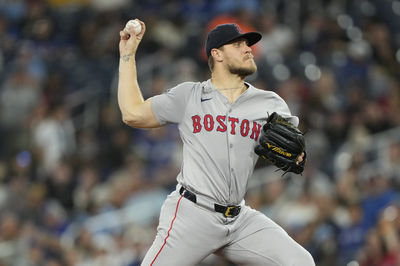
<point>225,33</point>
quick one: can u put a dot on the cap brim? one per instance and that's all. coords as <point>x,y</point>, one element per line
<point>251,37</point>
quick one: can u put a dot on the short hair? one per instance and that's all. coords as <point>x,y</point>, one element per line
<point>211,63</point>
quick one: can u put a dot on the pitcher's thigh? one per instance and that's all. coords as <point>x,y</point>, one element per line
<point>269,245</point>
<point>185,235</point>
<point>166,253</point>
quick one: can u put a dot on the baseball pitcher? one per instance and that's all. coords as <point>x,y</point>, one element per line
<point>225,124</point>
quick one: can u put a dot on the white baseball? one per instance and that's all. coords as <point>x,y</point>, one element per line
<point>135,25</point>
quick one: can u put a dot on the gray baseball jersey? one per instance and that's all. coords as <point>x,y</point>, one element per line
<point>218,137</point>
<point>218,160</point>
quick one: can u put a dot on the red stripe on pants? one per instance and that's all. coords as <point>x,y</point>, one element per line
<point>165,240</point>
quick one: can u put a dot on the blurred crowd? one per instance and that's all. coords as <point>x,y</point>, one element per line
<point>78,187</point>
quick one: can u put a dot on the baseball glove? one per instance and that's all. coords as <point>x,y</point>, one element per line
<point>282,143</point>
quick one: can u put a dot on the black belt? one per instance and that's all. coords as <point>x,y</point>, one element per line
<point>227,211</point>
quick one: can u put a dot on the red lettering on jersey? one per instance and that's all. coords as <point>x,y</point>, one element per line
<point>255,131</point>
<point>233,121</point>
<point>221,121</point>
<point>196,124</point>
<point>208,122</point>
<point>244,127</point>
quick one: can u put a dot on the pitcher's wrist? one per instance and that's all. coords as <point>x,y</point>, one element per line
<point>126,57</point>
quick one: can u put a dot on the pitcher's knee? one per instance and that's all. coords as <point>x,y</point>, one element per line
<point>301,258</point>
<point>308,259</point>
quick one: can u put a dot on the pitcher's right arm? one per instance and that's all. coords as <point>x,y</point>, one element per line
<point>136,112</point>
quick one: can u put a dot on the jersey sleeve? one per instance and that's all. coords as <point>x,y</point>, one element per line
<point>282,109</point>
<point>170,106</point>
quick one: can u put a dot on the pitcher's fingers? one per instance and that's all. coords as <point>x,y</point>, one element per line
<point>140,35</point>
<point>124,35</point>
<point>300,158</point>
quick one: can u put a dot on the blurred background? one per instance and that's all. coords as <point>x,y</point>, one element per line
<point>78,187</point>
